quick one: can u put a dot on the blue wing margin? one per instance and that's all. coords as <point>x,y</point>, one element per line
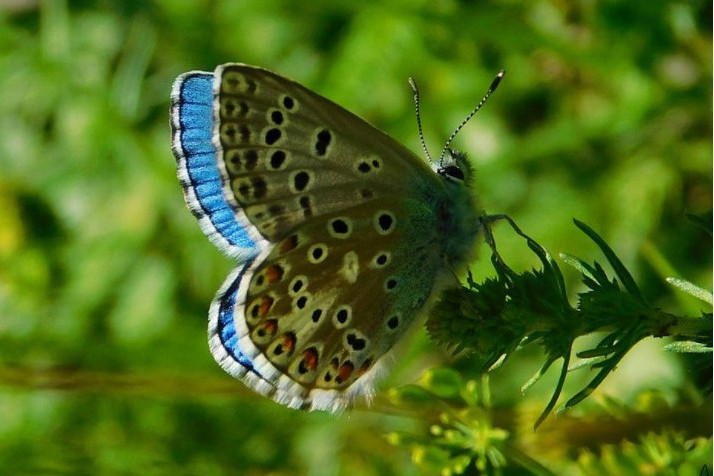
<point>226,340</point>
<point>192,127</point>
<point>223,338</point>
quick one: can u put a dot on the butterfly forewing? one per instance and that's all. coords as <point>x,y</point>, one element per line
<point>290,154</point>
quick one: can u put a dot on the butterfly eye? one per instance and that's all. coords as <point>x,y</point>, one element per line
<point>452,171</point>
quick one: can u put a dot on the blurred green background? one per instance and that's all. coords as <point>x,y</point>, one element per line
<point>605,115</point>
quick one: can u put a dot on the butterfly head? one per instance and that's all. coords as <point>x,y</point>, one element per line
<point>452,165</point>
<point>455,168</point>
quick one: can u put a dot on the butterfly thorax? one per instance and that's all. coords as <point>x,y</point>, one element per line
<point>458,223</point>
<point>456,214</point>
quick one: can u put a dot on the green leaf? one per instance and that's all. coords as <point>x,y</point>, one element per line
<point>620,270</point>
<point>692,289</point>
<point>688,347</point>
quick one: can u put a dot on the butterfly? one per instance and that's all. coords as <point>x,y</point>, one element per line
<point>342,233</point>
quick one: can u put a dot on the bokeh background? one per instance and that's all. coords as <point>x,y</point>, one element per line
<point>605,115</point>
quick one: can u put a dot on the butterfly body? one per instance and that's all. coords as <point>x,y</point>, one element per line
<point>343,233</point>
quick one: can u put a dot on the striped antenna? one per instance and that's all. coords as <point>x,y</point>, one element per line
<point>491,89</point>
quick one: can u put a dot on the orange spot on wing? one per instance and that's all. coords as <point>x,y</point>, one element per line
<point>274,273</point>
<point>289,244</point>
<point>270,326</point>
<point>310,359</point>
<point>288,342</point>
<point>265,303</point>
<point>364,367</point>
<point>345,371</point>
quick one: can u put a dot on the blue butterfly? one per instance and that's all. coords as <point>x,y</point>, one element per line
<point>342,233</point>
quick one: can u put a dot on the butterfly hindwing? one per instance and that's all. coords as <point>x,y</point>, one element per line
<point>323,307</point>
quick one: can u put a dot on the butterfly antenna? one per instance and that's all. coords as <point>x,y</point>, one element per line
<point>494,84</point>
<point>413,84</point>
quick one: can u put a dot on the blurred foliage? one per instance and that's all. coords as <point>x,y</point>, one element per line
<point>466,431</point>
<point>105,279</point>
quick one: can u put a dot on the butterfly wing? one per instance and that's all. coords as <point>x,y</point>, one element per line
<point>282,146</point>
<point>316,313</point>
<point>337,222</point>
